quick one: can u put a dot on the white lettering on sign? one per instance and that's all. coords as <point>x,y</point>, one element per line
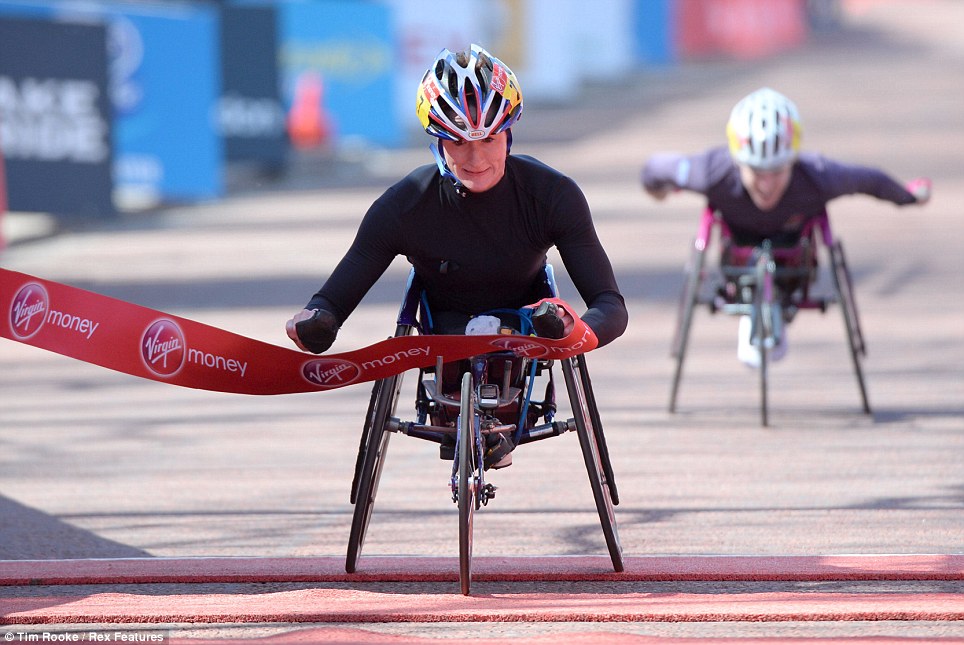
<point>84,326</point>
<point>216,362</point>
<point>52,120</point>
<point>574,347</point>
<point>397,356</point>
<point>241,116</point>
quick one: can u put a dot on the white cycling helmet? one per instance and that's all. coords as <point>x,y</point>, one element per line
<point>764,130</point>
<point>468,96</point>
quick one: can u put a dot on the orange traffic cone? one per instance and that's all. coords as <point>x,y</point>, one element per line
<point>308,123</point>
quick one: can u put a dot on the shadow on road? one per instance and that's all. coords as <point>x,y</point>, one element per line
<point>29,534</point>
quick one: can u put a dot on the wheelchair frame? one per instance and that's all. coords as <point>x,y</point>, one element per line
<point>475,420</point>
<point>755,289</point>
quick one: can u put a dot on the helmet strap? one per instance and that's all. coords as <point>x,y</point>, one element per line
<point>443,168</point>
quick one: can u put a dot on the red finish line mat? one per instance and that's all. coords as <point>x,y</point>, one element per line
<point>358,605</point>
<point>837,568</point>
<point>358,600</point>
<point>349,636</point>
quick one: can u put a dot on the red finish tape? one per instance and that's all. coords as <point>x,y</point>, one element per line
<point>151,344</point>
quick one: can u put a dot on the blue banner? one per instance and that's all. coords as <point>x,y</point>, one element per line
<point>164,87</point>
<point>251,115</point>
<point>166,82</point>
<point>340,56</point>
<point>55,124</point>
<point>653,24</point>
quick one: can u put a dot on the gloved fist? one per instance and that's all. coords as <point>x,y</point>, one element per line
<point>920,188</point>
<point>547,320</point>
<point>659,193</point>
<point>314,331</point>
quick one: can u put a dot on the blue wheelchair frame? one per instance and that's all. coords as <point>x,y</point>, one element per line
<point>458,406</point>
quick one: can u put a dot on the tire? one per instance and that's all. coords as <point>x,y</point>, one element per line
<point>594,468</point>
<point>363,442</point>
<point>843,285</point>
<point>597,427</point>
<point>468,465</point>
<point>371,459</point>
<point>762,326</point>
<point>684,317</point>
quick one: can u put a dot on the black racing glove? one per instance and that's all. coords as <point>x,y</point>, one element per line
<point>546,321</point>
<point>318,332</point>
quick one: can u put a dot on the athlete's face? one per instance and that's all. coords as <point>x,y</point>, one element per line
<point>479,165</point>
<point>766,187</point>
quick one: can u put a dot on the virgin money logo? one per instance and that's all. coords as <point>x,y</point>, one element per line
<point>330,372</point>
<point>522,347</point>
<point>163,347</point>
<point>29,310</point>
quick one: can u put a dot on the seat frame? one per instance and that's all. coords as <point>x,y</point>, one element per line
<point>769,283</point>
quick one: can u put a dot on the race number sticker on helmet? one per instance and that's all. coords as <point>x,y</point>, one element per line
<point>163,348</point>
<point>499,79</point>
<point>431,89</point>
<point>28,311</point>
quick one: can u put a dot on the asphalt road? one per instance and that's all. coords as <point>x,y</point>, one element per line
<point>96,464</point>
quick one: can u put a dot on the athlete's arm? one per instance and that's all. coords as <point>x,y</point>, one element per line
<point>587,263</point>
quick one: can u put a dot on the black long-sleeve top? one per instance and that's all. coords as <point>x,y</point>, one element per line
<point>481,251</point>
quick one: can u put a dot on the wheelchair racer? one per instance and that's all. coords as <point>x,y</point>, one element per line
<point>762,185</point>
<point>476,224</point>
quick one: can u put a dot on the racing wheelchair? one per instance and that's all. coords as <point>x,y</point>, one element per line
<point>769,284</point>
<point>471,408</point>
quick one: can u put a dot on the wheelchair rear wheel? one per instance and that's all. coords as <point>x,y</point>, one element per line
<point>372,461</point>
<point>684,316</point>
<point>592,456</point>
<point>468,480</point>
<point>843,285</point>
<point>597,427</point>
<point>372,449</point>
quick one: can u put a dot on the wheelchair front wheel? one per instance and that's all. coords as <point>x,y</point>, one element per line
<point>592,457</point>
<point>468,482</point>
<point>763,327</point>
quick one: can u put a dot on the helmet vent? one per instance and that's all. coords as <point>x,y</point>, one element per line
<point>494,108</point>
<point>471,103</point>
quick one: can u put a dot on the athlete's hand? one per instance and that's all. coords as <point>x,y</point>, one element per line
<point>659,194</point>
<point>920,188</point>
<point>312,330</point>
<point>550,320</point>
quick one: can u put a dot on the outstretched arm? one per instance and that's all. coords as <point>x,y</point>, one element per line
<point>659,177</point>
<point>667,172</point>
<point>838,179</point>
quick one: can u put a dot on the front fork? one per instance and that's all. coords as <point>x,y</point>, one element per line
<point>478,366</point>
